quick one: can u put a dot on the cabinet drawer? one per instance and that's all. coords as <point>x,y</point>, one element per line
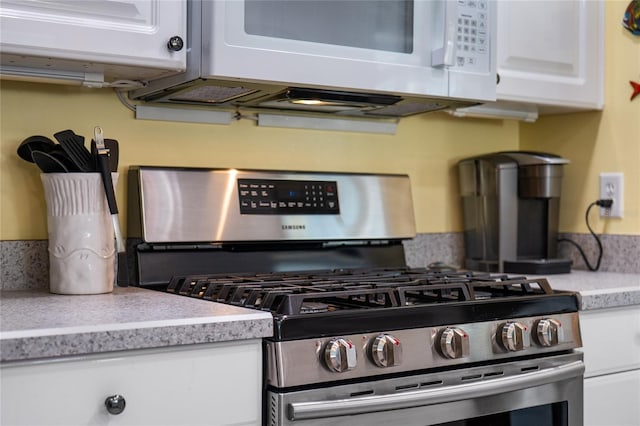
<point>612,400</point>
<point>216,384</point>
<point>610,340</point>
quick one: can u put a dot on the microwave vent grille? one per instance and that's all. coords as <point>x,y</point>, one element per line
<point>211,94</point>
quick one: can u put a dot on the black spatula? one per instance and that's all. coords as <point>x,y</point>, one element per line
<point>73,145</point>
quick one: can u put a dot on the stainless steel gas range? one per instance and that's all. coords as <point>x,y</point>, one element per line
<point>360,338</point>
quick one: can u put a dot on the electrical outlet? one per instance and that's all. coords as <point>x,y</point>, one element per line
<point>611,187</point>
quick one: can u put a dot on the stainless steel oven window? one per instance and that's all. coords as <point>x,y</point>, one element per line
<point>542,392</point>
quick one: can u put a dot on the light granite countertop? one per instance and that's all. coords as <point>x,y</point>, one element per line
<point>599,290</point>
<point>37,324</point>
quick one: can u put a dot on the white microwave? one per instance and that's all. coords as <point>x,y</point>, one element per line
<point>386,58</point>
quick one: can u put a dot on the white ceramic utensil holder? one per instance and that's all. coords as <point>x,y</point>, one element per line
<point>81,238</point>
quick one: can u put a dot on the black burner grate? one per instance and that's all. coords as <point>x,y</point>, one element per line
<point>309,292</point>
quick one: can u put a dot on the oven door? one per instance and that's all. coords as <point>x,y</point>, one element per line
<point>541,392</point>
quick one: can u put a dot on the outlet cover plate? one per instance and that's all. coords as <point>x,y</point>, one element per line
<point>612,186</point>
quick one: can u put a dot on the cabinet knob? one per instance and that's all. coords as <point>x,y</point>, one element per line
<point>175,43</point>
<point>115,404</point>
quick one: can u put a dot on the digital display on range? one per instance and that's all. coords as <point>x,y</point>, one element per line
<point>268,196</point>
<point>289,192</point>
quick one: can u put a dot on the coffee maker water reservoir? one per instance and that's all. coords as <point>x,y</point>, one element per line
<point>510,203</point>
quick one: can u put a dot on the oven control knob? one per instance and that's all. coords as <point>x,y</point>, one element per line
<point>549,332</point>
<point>386,351</point>
<point>513,336</point>
<point>340,355</point>
<point>454,343</point>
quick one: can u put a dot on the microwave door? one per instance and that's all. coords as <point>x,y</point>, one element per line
<point>365,45</point>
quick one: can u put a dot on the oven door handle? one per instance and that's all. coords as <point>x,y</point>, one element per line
<point>369,404</point>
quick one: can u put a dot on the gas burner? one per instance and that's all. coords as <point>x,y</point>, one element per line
<point>313,307</point>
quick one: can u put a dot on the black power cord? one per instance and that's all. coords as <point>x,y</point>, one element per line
<point>605,203</point>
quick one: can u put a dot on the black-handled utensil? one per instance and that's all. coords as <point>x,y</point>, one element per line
<point>105,171</point>
<point>34,143</point>
<point>48,163</point>
<point>94,154</point>
<point>58,153</point>
<point>73,145</point>
<point>112,146</point>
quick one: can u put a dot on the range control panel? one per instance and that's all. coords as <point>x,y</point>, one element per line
<point>268,196</point>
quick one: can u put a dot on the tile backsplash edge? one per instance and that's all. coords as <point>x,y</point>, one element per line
<point>25,264</point>
<point>621,253</point>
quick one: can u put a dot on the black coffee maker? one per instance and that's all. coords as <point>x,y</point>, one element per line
<point>510,203</point>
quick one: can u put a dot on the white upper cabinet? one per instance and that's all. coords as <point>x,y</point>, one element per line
<point>551,53</point>
<point>550,58</point>
<point>123,39</point>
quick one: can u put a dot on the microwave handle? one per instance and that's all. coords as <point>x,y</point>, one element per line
<point>368,404</point>
<point>446,54</point>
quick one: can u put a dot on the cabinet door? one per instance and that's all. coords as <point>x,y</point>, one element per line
<point>612,400</point>
<point>610,340</point>
<point>551,53</point>
<point>124,32</point>
<point>215,384</point>
<point>611,345</point>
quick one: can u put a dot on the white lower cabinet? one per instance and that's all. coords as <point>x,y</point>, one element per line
<point>209,384</point>
<point>613,399</point>
<point>611,344</point>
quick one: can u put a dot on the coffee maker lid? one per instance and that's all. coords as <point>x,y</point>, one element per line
<point>532,158</point>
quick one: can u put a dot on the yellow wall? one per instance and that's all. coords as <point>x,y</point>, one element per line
<point>426,147</point>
